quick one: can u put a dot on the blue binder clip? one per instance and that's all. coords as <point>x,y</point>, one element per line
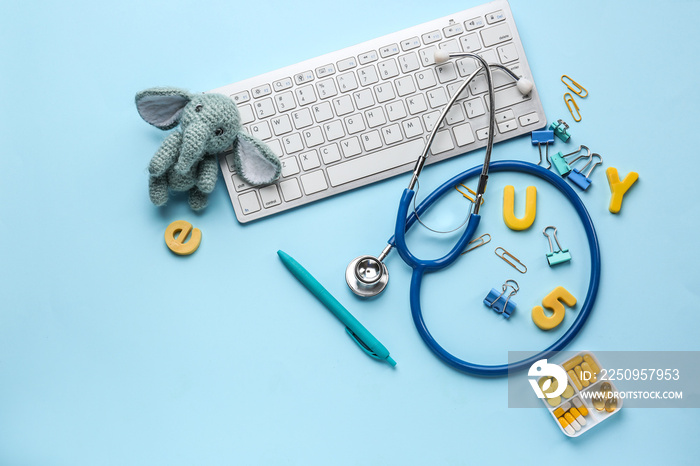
<point>561,130</point>
<point>545,137</point>
<point>502,305</point>
<point>555,257</point>
<point>562,166</point>
<point>579,179</point>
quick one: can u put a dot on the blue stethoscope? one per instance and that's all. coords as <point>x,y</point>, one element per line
<point>367,275</point>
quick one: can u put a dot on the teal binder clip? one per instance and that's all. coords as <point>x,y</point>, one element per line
<point>555,257</point>
<point>545,137</point>
<point>501,303</point>
<point>562,166</point>
<point>561,130</point>
<point>579,179</point>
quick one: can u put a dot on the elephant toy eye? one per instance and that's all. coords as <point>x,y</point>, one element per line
<point>198,108</point>
<point>219,131</point>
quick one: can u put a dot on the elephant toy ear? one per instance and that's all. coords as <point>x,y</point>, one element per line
<point>254,161</point>
<point>162,106</point>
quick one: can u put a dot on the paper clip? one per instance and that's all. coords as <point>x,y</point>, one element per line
<point>561,130</point>
<point>555,257</point>
<point>579,90</point>
<point>545,137</point>
<point>564,167</point>
<point>506,253</point>
<point>581,180</point>
<point>578,111</point>
<point>481,240</point>
<point>471,191</point>
<point>495,301</point>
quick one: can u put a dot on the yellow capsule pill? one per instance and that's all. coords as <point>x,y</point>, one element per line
<point>583,410</point>
<point>588,373</point>
<point>611,404</point>
<point>583,381</point>
<point>591,362</point>
<point>577,415</point>
<point>567,428</point>
<point>572,422</point>
<point>575,379</point>
<point>554,401</point>
<point>571,363</point>
<point>568,391</point>
<point>559,412</point>
<point>563,422</point>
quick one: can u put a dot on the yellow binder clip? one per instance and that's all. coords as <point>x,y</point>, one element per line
<point>579,90</point>
<point>570,100</point>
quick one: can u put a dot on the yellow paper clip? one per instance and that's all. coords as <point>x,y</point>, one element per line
<point>571,99</point>
<point>579,90</point>
<point>471,191</point>
<point>481,240</point>
<point>506,253</point>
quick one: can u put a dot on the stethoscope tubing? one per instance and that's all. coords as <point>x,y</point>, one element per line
<point>420,267</point>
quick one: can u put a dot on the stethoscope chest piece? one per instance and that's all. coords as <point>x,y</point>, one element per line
<point>367,276</point>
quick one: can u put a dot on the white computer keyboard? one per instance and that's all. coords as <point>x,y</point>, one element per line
<point>362,114</point>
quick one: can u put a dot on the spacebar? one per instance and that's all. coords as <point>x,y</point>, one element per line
<point>376,162</point>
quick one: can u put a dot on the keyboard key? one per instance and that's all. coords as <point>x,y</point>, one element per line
<point>306,95</point>
<point>281,125</point>
<point>368,75</point>
<point>474,23</point>
<point>377,162</point>
<point>412,127</point>
<point>429,119</point>
<point>450,46</point>
<point>416,104</point>
<point>292,143</point>
<point>507,126</point>
<point>239,184</point>
<point>384,92</point>
<point>482,133</point>
<point>495,17</point>
<point>375,117</point>
<point>437,97</point>
<point>389,50</point>
<point>529,119</point>
<point>425,79</point>
<point>392,134</point>
<point>270,196</point>
<point>363,99</point>
<point>405,86</point>
<point>314,182</point>
<point>474,107</point>
<point>249,202</point>
<point>326,70</point>
<point>322,112</point>
<point>463,134</point>
<point>442,142</point>
<point>430,37</point>
<point>446,72</point>
<point>330,153</point>
<point>496,35</point>
<point>262,91</point>
<point>289,166</point>
<point>246,112</point>
<point>290,189</point>
<point>507,53</point>
<point>409,62</point>
<point>346,64</point>
<point>454,115</point>
<point>276,147</point>
<point>313,136</point>
<point>395,110</point>
<point>505,116</point>
<point>261,130</point>
<point>326,88</point>
<point>282,84</point>
<point>302,117</point>
<point>466,66</point>
<point>240,97</point>
<point>410,44</point>
<point>347,82</point>
<point>285,101</point>
<point>452,30</point>
<point>427,55</point>
<point>304,77</point>
<point>350,147</point>
<point>509,97</point>
<point>388,68</point>
<point>354,123</point>
<point>334,130</point>
<point>470,43</point>
<point>264,108</point>
<point>368,57</point>
<point>371,141</point>
<point>343,105</point>
<point>309,160</point>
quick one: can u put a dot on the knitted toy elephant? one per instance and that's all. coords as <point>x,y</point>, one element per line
<point>187,159</point>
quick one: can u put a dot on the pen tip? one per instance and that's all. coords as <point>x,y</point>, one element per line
<point>391,361</point>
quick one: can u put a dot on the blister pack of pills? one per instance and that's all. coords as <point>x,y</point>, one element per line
<point>586,401</point>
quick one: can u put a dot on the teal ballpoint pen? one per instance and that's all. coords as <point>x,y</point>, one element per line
<point>355,329</point>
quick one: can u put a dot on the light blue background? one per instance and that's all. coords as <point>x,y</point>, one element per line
<point>114,351</point>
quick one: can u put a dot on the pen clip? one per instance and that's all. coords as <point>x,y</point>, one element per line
<point>361,344</point>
